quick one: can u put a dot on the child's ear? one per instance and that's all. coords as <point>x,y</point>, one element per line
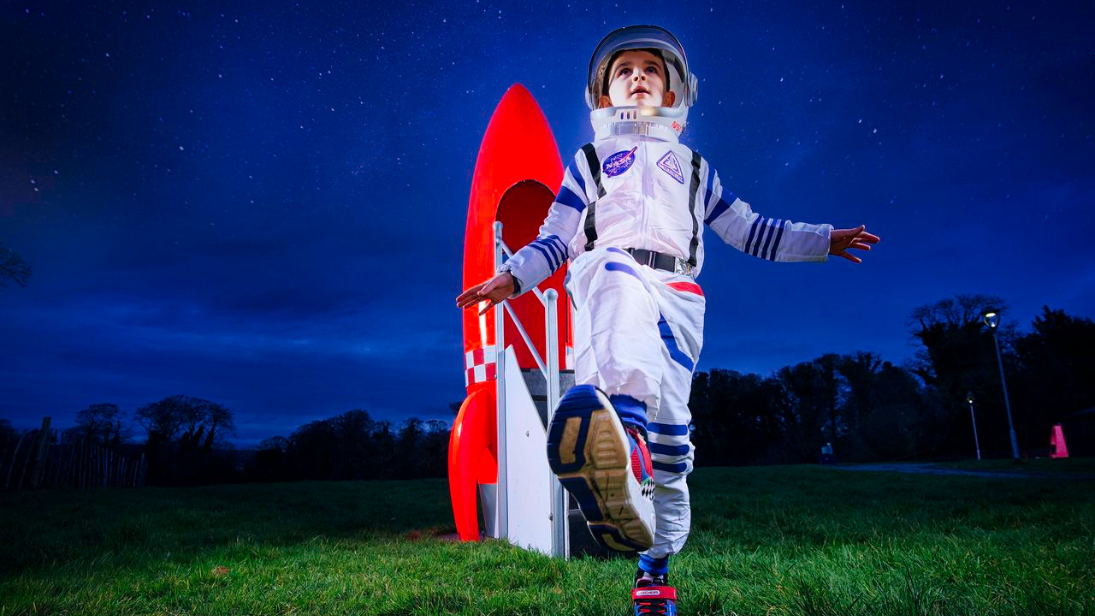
<point>604,102</point>
<point>668,99</point>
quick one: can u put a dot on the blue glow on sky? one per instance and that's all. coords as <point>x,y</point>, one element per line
<point>263,204</point>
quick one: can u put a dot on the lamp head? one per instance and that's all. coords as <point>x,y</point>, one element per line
<point>992,318</point>
<point>969,397</point>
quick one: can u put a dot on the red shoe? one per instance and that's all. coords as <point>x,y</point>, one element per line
<point>654,597</point>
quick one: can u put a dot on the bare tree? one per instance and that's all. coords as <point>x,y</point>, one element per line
<point>163,419</point>
<point>219,417</point>
<point>194,420</point>
<point>102,423</point>
<point>13,267</point>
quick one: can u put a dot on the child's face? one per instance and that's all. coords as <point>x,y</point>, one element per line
<point>637,79</point>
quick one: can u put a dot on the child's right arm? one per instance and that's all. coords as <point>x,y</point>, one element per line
<point>533,263</point>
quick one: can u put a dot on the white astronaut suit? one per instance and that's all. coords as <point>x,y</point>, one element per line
<point>630,216</point>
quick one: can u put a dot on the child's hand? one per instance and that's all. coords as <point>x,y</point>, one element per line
<point>840,240</point>
<point>496,289</point>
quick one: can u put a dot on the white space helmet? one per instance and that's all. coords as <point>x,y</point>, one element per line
<point>664,122</point>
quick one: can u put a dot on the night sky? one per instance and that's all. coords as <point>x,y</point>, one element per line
<point>263,203</point>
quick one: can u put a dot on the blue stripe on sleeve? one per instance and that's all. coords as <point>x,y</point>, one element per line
<point>765,230</point>
<point>717,211</point>
<point>577,175</point>
<point>707,189</point>
<point>768,242</point>
<point>556,258</point>
<point>752,232</point>
<point>667,450</point>
<point>569,199</point>
<point>668,429</point>
<point>779,236</point>
<point>545,254</point>
<point>558,243</point>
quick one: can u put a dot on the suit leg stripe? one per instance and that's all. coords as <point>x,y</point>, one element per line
<point>668,429</point>
<point>680,467</point>
<point>675,351</point>
<point>658,449</point>
<point>612,266</point>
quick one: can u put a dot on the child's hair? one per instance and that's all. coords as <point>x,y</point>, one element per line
<point>606,77</point>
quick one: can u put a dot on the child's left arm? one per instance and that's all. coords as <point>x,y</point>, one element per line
<point>776,239</point>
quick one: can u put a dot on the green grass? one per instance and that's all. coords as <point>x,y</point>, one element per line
<point>1084,466</point>
<point>775,541</point>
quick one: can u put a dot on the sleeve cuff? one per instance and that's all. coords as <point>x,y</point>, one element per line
<point>517,286</point>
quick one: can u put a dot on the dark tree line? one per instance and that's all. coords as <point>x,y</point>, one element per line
<point>870,409</point>
<point>187,444</point>
<point>187,441</point>
<point>353,446</point>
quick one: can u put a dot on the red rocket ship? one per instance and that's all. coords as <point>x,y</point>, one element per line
<point>517,174</point>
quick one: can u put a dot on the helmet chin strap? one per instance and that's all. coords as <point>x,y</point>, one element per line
<point>666,123</point>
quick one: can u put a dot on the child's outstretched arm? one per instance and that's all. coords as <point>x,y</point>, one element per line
<point>496,289</point>
<point>533,263</point>
<point>776,239</point>
<point>840,240</point>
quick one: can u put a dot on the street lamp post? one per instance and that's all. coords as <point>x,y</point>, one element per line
<point>992,319</point>
<point>976,442</point>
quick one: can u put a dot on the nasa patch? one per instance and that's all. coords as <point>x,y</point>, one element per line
<point>619,162</point>
<point>670,165</point>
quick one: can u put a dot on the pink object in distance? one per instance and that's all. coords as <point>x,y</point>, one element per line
<point>1057,441</point>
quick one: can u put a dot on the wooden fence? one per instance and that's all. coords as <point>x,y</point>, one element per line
<point>38,460</point>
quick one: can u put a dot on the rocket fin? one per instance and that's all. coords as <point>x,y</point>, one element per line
<point>471,459</point>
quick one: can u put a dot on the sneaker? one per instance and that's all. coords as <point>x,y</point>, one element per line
<point>654,597</point>
<point>605,467</point>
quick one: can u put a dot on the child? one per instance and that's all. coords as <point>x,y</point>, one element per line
<point>628,217</point>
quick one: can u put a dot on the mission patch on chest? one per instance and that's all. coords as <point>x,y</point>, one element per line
<point>672,166</point>
<point>619,162</point>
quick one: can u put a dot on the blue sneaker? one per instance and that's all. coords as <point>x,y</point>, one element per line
<point>606,467</point>
<point>654,597</point>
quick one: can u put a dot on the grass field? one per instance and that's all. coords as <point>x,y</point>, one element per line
<point>1084,466</point>
<point>770,541</point>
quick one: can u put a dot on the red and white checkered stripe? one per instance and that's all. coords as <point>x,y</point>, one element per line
<point>479,366</point>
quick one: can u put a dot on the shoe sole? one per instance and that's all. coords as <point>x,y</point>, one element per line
<point>589,452</point>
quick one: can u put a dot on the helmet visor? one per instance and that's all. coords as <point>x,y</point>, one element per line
<point>634,38</point>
